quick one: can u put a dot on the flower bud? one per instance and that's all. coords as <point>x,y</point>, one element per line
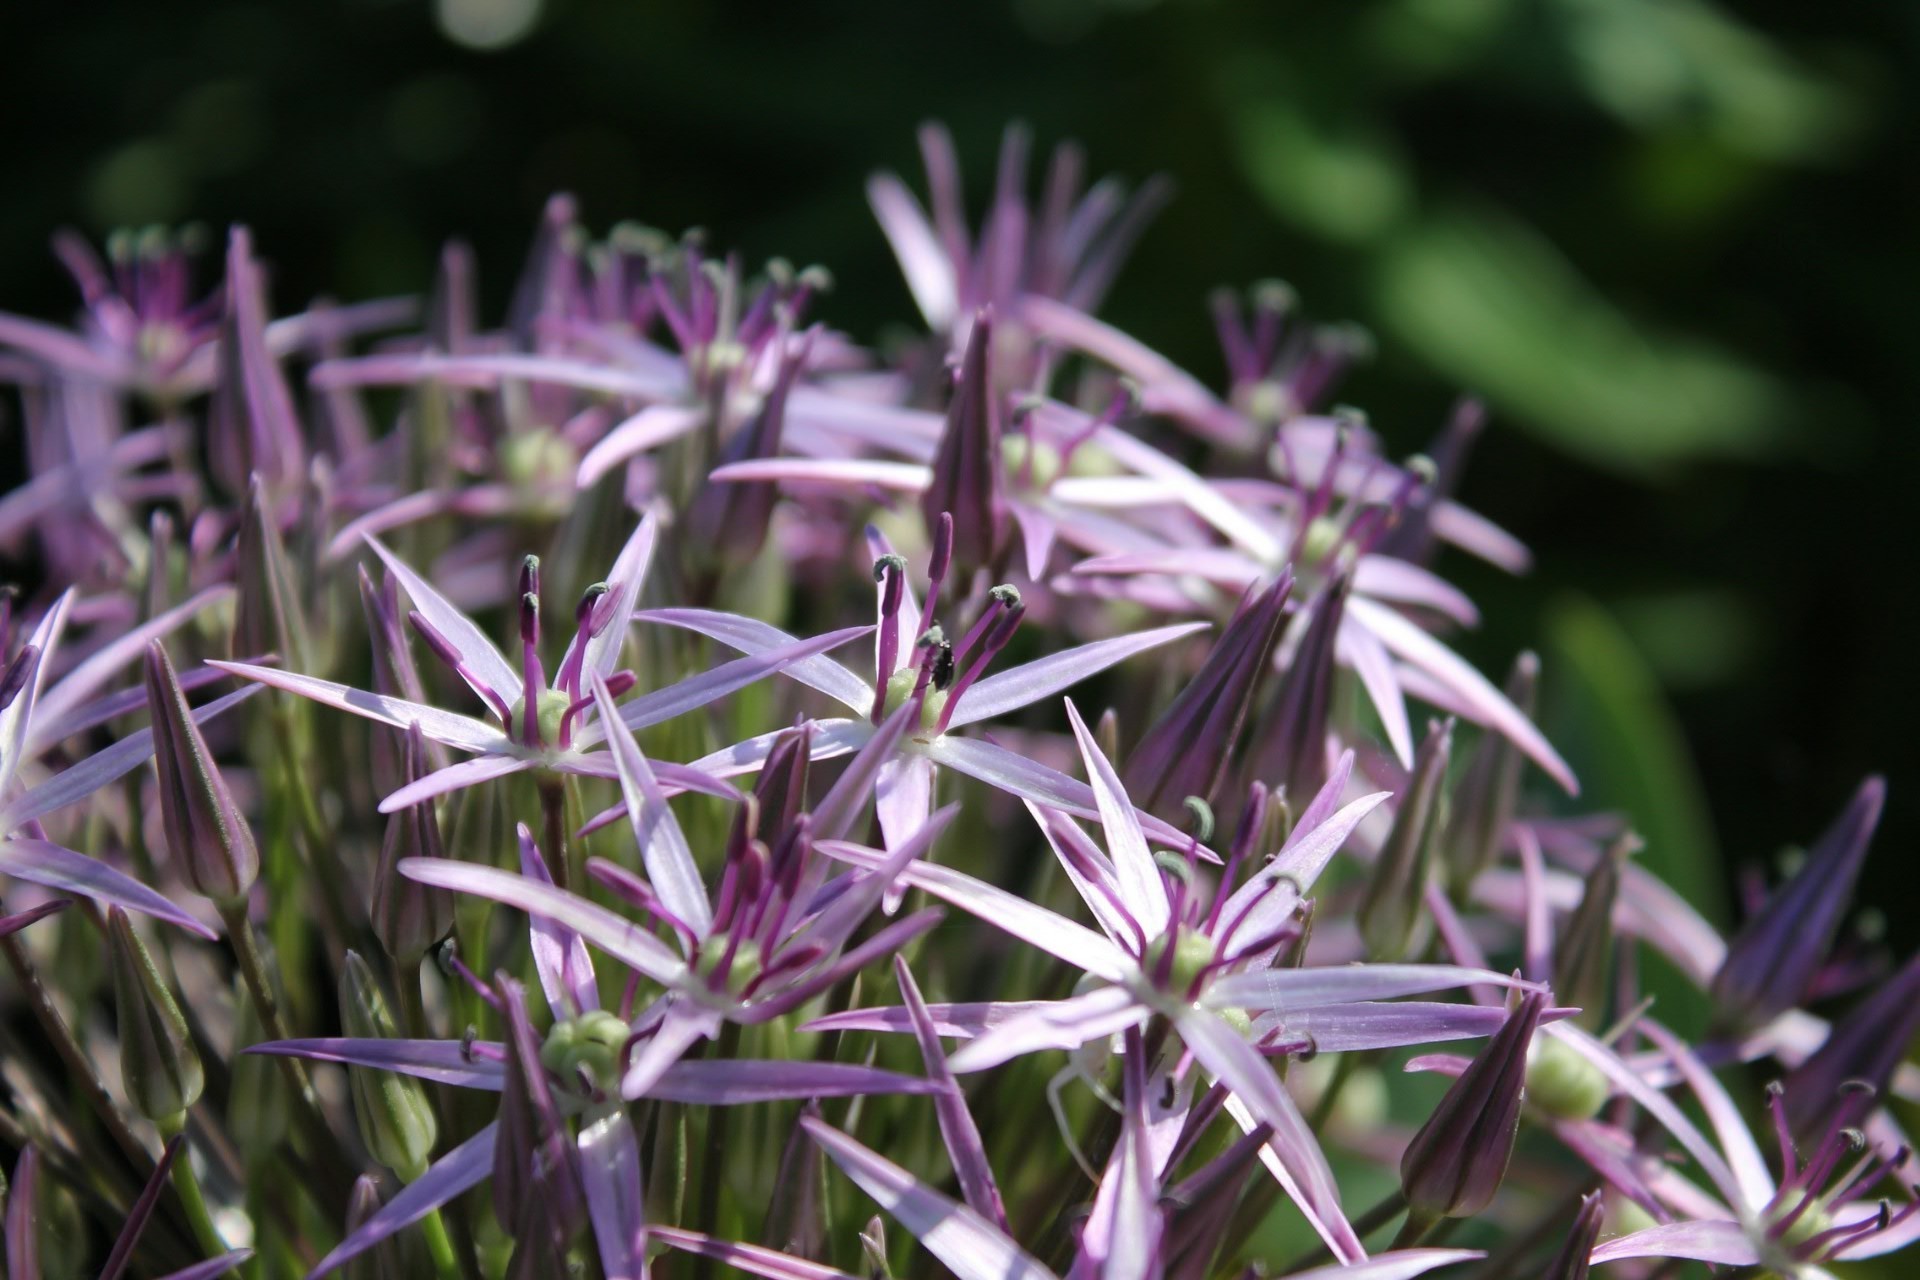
<point>1294,758</point>
<point>1185,752</point>
<point>158,1063</point>
<point>409,917</point>
<point>967,479</point>
<point>1455,1163</point>
<point>206,834</point>
<point>398,1257</point>
<point>1396,891</point>
<point>257,1096</point>
<point>1772,962</point>
<point>396,1119</point>
<point>1583,955</point>
<point>268,616</point>
<point>1571,1262</point>
<point>1865,1046</point>
<point>1484,801</point>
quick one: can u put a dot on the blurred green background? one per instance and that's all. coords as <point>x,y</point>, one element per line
<point>1671,243</point>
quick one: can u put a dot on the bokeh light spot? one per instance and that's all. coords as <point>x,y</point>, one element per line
<point>486,24</point>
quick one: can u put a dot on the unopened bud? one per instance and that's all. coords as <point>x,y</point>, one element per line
<point>268,616</point>
<point>408,916</point>
<point>206,833</point>
<point>1455,1163</point>
<point>396,1119</point>
<point>158,1062</point>
<point>1396,892</point>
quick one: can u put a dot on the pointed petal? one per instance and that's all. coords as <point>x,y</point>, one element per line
<point>211,1267</point>
<point>624,583</point>
<point>465,773</point>
<point>618,937</point>
<point>467,1165</point>
<point>559,954</point>
<point>905,477</point>
<point>830,738</point>
<point>929,274</point>
<point>698,690</point>
<point>1401,1264</point>
<point>754,638</point>
<point>1342,1028</point>
<point>462,732</point>
<point>751,1258</point>
<point>970,1246</point>
<point>610,1176</point>
<point>903,797</point>
<point>1135,874</point>
<point>1359,649</point>
<point>726,1082</point>
<point>1052,1024</point>
<point>1487,704</point>
<point>99,666</point>
<point>1722,1242</point>
<point>443,1061</point>
<point>1030,682</point>
<point>680,1029</point>
<point>1302,1167</point>
<point>648,429</point>
<point>955,1021</point>
<point>957,1129</point>
<point>1748,1166</point>
<point>663,847</point>
<point>482,657</point>
<point>1308,988</point>
<point>55,867</point>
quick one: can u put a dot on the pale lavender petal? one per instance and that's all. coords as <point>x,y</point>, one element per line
<point>1655,1103</point>
<point>830,738</point>
<point>1723,1242</point>
<point>1136,875</point>
<point>730,1082</point>
<point>467,1165</point>
<point>624,584</point>
<point>559,954</point>
<point>1878,1243</point>
<point>903,797</point>
<point>663,847</point>
<point>1307,988</point>
<point>1296,868</point>
<point>618,937</point>
<point>1342,1028</point>
<point>1359,649</point>
<point>1215,564</point>
<point>482,658</point>
<point>648,429</point>
<point>836,922</point>
<point>465,773</point>
<point>1299,1164</point>
<point>1028,921</point>
<point>1042,678</point>
<point>1488,705</point>
<point>698,690</point>
<point>1749,1167</point>
<point>1054,1024</point>
<point>55,867</point>
<point>1089,869</point>
<point>1016,775</point>
<point>1123,1232</point>
<point>211,1267</point>
<point>751,1258</point>
<point>970,1246</point>
<point>97,770</point>
<point>100,665</point>
<point>904,223</point>
<point>1199,497</point>
<point>1401,1264</point>
<point>906,477</point>
<point>956,1021</point>
<point>680,1028</point>
<point>462,732</point>
<point>1038,532</point>
<point>1475,534</point>
<point>673,778</point>
<point>753,638</point>
<point>485,370</point>
<point>442,1061</point>
<point>1385,578</point>
<point>610,1176</point>
<point>957,1129</point>
<point>846,800</point>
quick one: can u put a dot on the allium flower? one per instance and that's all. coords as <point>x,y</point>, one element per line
<point>542,724</point>
<point>1201,960</point>
<point>38,715</point>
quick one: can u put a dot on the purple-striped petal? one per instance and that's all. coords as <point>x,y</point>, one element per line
<point>698,690</point>
<point>477,1066</point>
<point>1722,1242</point>
<point>467,1165</point>
<point>1142,891</point>
<point>970,1246</point>
<point>462,732</point>
<point>610,1176</point>
<point>648,429</point>
<point>1308,988</point>
<point>455,777</point>
<point>490,670</point>
<point>957,1129</point>
<point>751,1258</point>
<point>730,1082</point>
<point>754,638</point>
<point>1053,1024</point>
<point>45,863</point>
<point>663,847</point>
<point>559,953</point>
<point>1401,1264</point>
<point>1030,682</point>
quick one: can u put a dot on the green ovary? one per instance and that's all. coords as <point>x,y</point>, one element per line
<point>1563,1084</point>
<point>745,967</point>
<point>550,710</point>
<point>1192,952</point>
<point>1018,453</point>
<point>900,688</point>
<point>589,1043</point>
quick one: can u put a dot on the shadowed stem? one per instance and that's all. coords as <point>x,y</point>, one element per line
<point>335,1167</point>
<point>553,842</point>
<point>54,1026</point>
<point>1365,1225</point>
<point>708,1209</point>
<point>187,1185</point>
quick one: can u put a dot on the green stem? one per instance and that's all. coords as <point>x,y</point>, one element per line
<point>440,1246</point>
<point>553,812</point>
<point>709,1208</point>
<point>54,1026</point>
<point>187,1186</point>
<point>336,1169</point>
<point>1416,1228</point>
<point>1363,1226</point>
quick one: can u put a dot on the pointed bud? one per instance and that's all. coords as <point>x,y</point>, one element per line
<point>158,1062</point>
<point>1295,755</point>
<point>255,428</point>
<point>967,483</point>
<point>780,792</point>
<point>1864,1046</point>
<point>1583,954</point>
<point>1455,1163</point>
<point>873,1248</point>
<point>206,833</point>
<point>398,1257</point>
<point>1483,802</point>
<point>729,520</point>
<point>1571,1262</point>
<point>268,616</point>
<point>1395,897</point>
<point>1186,751</point>
<point>534,1162</point>
<point>409,917</point>
<point>1773,961</point>
<point>395,1118</point>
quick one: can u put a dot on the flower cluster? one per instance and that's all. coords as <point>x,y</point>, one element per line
<point>789,880</point>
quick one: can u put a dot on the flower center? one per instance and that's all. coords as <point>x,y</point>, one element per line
<point>900,687</point>
<point>744,969</point>
<point>588,1044</point>
<point>1563,1084</point>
